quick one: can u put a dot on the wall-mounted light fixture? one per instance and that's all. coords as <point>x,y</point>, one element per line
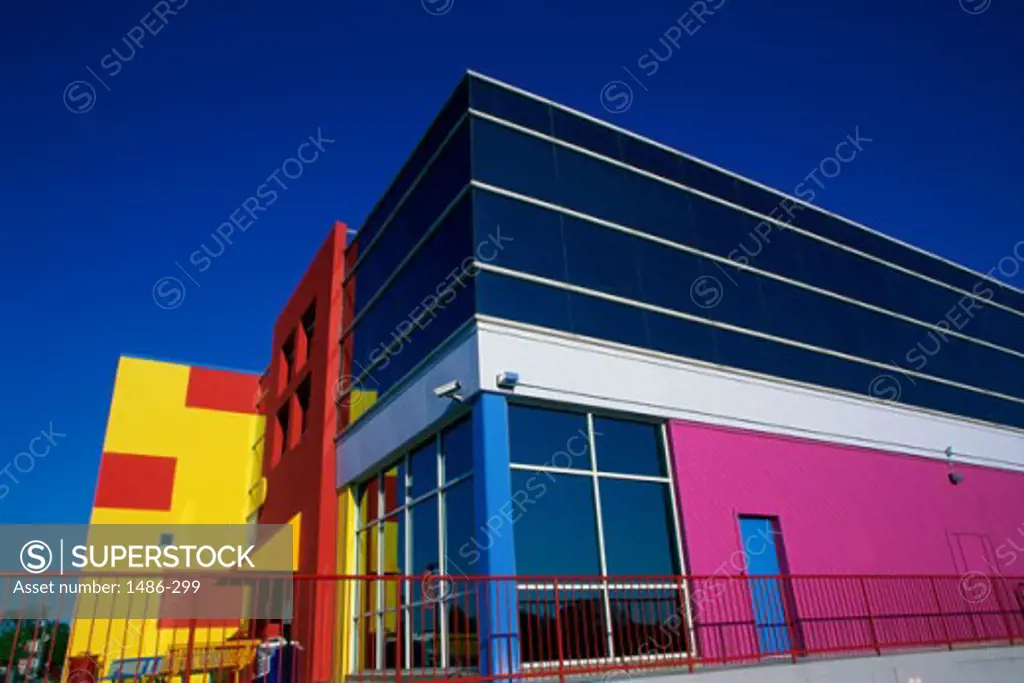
<point>507,380</point>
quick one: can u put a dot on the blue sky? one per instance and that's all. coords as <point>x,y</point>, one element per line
<point>98,205</point>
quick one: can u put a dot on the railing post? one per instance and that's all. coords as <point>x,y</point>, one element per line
<point>558,634</point>
<point>942,614</point>
<point>399,633</point>
<point>785,592</point>
<point>188,651</point>
<point>684,604</point>
<point>871,617</point>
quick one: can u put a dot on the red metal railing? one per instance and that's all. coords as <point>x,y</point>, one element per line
<point>434,628</point>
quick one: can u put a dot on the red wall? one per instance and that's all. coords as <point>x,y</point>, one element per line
<point>302,479</point>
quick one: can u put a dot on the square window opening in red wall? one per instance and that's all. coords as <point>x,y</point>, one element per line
<point>309,327</point>
<point>282,428</point>
<point>288,358</point>
<point>302,393</point>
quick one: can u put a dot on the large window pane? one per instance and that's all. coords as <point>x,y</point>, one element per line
<point>453,110</point>
<point>425,552</point>
<point>592,186</point>
<point>423,468</point>
<point>446,178</point>
<point>457,449</point>
<point>648,621</point>
<point>573,626</point>
<point>367,548</point>
<point>586,134</point>
<point>410,318</point>
<point>514,299</point>
<point>464,542</point>
<point>369,501</point>
<point>602,259</point>
<point>366,636</point>
<point>507,105</point>
<point>531,236</point>
<point>628,447</point>
<point>548,437</point>
<point>568,547</point>
<point>638,530</point>
<point>394,544</point>
<point>602,319</point>
<point>513,160</point>
<point>394,487</point>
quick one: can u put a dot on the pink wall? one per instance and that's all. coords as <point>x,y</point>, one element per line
<point>846,510</point>
<point>842,509</point>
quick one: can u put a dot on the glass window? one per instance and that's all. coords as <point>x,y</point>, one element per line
<point>366,550</point>
<point>448,175</point>
<point>581,622</point>
<point>557,534</point>
<point>453,110</point>
<point>586,134</point>
<point>769,247</point>
<point>602,259</point>
<point>756,199</point>
<point>513,160</point>
<point>603,319</point>
<point>535,234</point>
<point>733,296</point>
<point>592,186</point>
<point>715,228</point>
<point>425,552</point>
<point>628,447</point>
<point>548,438</point>
<point>636,517</point>
<point>457,449</point>
<point>652,159</point>
<point>369,501</point>
<point>681,337</point>
<point>659,209</point>
<point>510,106</point>
<point>514,299</point>
<point>706,179</point>
<point>667,277</point>
<point>423,468</point>
<point>394,487</point>
<point>463,540</point>
<point>394,544</point>
<point>419,310</point>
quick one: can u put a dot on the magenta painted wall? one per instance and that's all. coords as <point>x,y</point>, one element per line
<point>843,510</point>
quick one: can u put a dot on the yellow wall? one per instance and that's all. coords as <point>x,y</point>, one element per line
<point>217,464</point>
<point>345,594</point>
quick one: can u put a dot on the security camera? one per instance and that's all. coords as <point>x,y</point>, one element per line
<point>955,478</point>
<point>507,380</point>
<point>449,390</point>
